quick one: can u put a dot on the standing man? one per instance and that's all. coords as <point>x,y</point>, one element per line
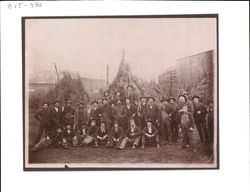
<point>152,112</point>
<point>130,111</point>
<point>130,94</point>
<point>80,115</point>
<point>57,113</point>
<point>95,112</point>
<point>141,112</point>
<point>106,113</point>
<point>189,102</point>
<point>165,130</point>
<point>200,112</point>
<point>173,119</point>
<point>68,114</point>
<point>43,115</point>
<point>120,114</point>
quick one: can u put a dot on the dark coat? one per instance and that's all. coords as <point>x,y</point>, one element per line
<point>146,130</point>
<point>117,134</point>
<point>91,131</point>
<point>130,112</point>
<point>152,112</point>
<point>68,115</point>
<point>57,115</point>
<point>182,120</point>
<point>132,135</point>
<point>100,133</point>
<point>44,116</point>
<point>119,112</point>
<point>203,111</point>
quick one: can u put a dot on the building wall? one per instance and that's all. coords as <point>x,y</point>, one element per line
<point>193,73</point>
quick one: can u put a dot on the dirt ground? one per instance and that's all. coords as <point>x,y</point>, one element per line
<point>166,154</point>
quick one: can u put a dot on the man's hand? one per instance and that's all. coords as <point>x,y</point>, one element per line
<point>198,112</point>
<point>191,128</point>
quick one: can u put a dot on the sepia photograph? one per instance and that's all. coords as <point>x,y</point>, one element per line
<point>120,92</point>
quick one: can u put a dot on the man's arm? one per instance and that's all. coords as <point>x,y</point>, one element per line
<point>37,115</point>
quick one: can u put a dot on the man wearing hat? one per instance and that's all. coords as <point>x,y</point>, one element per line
<point>106,113</point>
<point>132,135</point>
<point>80,115</point>
<point>44,116</point>
<point>91,133</point>
<point>95,112</point>
<point>57,113</point>
<point>115,135</point>
<point>189,102</point>
<point>173,119</point>
<point>102,134</point>
<point>152,112</point>
<point>141,112</point>
<point>68,114</point>
<point>150,132</point>
<point>119,114</point>
<point>130,110</point>
<point>165,130</point>
<point>200,112</point>
<point>118,95</point>
<point>130,94</point>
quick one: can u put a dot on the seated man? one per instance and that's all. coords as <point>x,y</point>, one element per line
<point>101,134</point>
<point>91,133</point>
<point>150,132</point>
<point>69,137</point>
<point>52,137</point>
<point>132,135</point>
<point>82,133</point>
<point>115,136</point>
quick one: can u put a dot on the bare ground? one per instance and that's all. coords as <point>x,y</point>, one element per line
<point>167,154</point>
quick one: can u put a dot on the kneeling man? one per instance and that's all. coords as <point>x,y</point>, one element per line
<point>115,135</point>
<point>150,133</point>
<point>132,135</point>
<point>102,134</point>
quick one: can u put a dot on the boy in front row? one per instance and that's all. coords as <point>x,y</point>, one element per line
<point>150,133</point>
<point>186,124</point>
<point>132,135</point>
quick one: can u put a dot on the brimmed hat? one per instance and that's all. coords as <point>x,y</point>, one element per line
<point>195,96</point>
<point>185,92</point>
<point>149,120</point>
<point>81,102</point>
<point>118,100</point>
<point>150,97</point>
<point>164,99</point>
<point>183,96</point>
<point>141,97</point>
<point>45,102</point>
<point>117,91</point>
<point>127,98</point>
<point>129,86</point>
<point>94,102</point>
<point>93,119</point>
<point>131,120</point>
<point>69,102</point>
<point>171,98</point>
<point>105,99</point>
<point>56,101</point>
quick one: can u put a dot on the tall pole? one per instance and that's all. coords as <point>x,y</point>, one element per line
<point>61,91</point>
<point>107,76</point>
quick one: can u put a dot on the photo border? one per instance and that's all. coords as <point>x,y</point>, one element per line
<point>23,19</point>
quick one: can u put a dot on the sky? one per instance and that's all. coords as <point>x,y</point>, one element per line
<point>151,45</point>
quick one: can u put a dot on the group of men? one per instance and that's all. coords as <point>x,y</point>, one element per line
<point>121,120</point>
